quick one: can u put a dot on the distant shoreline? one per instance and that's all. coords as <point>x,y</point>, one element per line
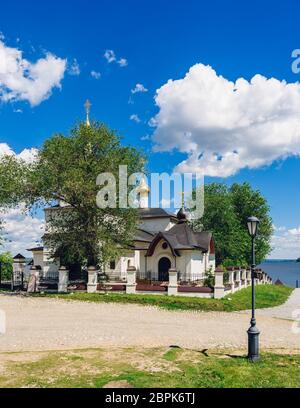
<point>279,260</point>
<point>286,270</point>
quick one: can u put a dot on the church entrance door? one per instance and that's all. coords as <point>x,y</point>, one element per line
<point>164,265</point>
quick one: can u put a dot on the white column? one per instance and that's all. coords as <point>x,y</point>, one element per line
<point>244,278</point>
<point>33,282</point>
<point>219,291</point>
<point>173,282</point>
<point>63,279</point>
<point>92,279</point>
<point>256,279</point>
<point>131,280</point>
<point>248,275</point>
<point>238,278</point>
<point>231,279</point>
<point>261,277</point>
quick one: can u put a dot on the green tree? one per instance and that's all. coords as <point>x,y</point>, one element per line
<point>247,201</point>
<point>6,264</point>
<point>66,170</point>
<point>225,214</point>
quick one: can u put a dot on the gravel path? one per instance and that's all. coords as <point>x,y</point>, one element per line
<point>289,310</point>
<point>54,324</point>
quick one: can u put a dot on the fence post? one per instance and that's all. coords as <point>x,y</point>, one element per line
<point>173,282</point>
<point>131,280</point>
<point>248,276</point>
<point>18,270</point>
<point>231,279</point>
<point>92,279</point>
<point>63,279</point>
<point>33,282</point>
<point>244,278</point>
<point>256,277</point>
<point>219,290</point>
<point>238,277</point>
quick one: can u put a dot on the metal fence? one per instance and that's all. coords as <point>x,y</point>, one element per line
<point>114,276</point>
<point>48,281</point>
<point>147,276</point>
<point>11,280</point>
<point>184,277</point>
<point>191,277</point>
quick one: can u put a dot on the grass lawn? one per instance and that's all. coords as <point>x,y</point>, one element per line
<point>158,367</point>
<point>266,296</point>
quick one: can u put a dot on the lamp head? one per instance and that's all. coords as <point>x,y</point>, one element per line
<point>252,223</point>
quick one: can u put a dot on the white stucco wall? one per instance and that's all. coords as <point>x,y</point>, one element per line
<point>212,262</point>
<point>198,265</point>
<point>130,259</point>
<point>50,265</point>
<point>38,258</point>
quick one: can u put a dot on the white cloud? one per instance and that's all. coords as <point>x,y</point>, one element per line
<point>21,231</point>
<point>74,68</point>
<point>286,243</point>
<point>123,62</point>
<point>18,110</point>
<point>96,74</point>
<point>135,118</point>
<point>295,231</point>
<point>110,57</point>
<point>225,126</point>
<point>21,80</point>
<point>139,88</point>
<point>28,155</point>
<point>2,36</point>
<point>145,137</point>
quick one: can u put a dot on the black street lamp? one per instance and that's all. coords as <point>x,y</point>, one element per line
<point>253,332</point>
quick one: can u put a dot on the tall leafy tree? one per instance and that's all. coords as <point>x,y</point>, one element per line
<point>225,214</point>
<point>248,201</point>
<point>66,170</point>
<point>6,265</point>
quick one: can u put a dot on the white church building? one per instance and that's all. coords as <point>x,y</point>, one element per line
<point>162,241</point>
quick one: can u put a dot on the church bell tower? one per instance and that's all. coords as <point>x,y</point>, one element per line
<point>143,192</point>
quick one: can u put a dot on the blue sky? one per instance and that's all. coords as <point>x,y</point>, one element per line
<point>160,40</point>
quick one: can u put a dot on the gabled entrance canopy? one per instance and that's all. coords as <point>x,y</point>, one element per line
<point>182,237</point>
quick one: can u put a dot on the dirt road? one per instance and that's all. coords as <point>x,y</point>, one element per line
<point>50,324</point>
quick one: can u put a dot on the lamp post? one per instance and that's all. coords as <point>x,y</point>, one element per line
<point>253,332</point>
